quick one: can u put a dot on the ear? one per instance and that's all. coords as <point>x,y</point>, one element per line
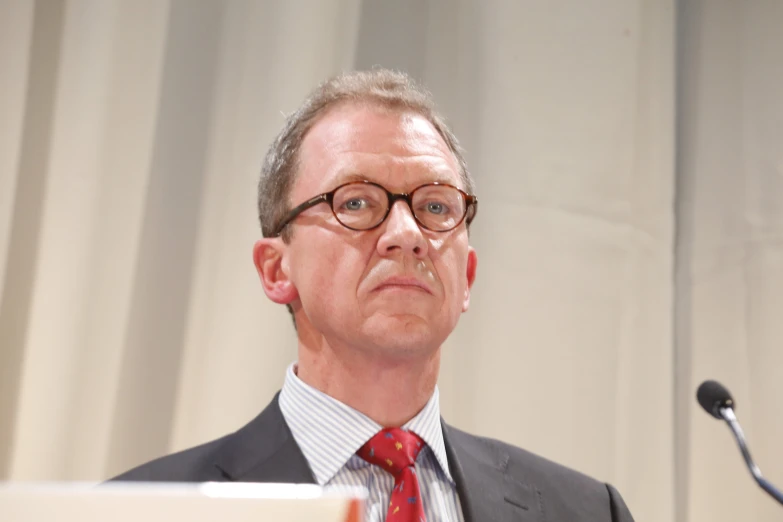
<point>269,258</point>
<point>471,275</point>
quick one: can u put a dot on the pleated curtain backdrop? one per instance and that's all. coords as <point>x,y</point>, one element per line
<point>630,173</point>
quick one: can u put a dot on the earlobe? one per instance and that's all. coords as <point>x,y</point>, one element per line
<point>269,259</point>
<point>472,265</point>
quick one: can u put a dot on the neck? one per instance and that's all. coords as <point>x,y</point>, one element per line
<point>390,392</point>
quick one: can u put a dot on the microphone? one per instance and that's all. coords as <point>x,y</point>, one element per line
<point>717,401</point>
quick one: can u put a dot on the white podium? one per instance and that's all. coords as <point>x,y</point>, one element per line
<point>153,502</point>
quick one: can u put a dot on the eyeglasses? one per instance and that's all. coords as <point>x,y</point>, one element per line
<point>364,205</point>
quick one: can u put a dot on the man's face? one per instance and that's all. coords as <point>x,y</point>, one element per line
<point>398,289</point>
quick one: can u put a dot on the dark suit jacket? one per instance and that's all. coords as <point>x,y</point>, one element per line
<point>495,481</point>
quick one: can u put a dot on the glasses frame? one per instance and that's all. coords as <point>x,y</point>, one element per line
<point>471,206</point>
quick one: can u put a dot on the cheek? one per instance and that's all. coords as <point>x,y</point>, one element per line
<point>328,274</point>
<point>452,261</point>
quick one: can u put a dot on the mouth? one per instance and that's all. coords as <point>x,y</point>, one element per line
<point>404,284</point>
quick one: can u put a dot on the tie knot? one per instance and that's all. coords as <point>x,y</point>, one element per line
<point>393,449</point>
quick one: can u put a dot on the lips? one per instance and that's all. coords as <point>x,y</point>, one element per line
<point>401,282</point>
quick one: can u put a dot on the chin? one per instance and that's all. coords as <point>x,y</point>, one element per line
<point>403,335</point>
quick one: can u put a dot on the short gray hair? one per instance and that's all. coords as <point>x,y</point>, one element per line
<point>386,88</point>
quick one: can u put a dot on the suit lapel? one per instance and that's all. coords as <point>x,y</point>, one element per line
<point>485,491</point>
<point>264,451</point>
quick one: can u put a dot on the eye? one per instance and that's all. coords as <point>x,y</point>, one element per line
<point>436,207</point>
<point>355,204</point>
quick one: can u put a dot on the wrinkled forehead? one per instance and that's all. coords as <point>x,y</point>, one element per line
<point>399,149</point>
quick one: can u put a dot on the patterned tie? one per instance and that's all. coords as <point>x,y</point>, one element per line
<point>395,450</point>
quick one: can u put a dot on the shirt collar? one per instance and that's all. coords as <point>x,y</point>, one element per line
<point>329,432</point>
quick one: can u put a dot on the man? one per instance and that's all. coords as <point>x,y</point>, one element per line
<point>365,202</point>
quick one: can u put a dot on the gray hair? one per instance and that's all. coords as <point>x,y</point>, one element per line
<point>382,87</point>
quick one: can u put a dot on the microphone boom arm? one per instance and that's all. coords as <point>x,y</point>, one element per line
<point>727,414</point>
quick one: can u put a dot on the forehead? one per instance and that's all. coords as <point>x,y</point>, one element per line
<point>399,149</point>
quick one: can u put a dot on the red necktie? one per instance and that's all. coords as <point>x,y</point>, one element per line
<point>395,450</point>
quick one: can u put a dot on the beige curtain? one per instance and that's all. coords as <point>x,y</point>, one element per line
<point>730,251</point>
<point>628,161</point>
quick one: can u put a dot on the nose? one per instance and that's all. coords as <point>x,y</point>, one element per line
<point>401,232</point>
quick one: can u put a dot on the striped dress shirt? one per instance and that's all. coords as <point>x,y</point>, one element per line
<point>329,433</point>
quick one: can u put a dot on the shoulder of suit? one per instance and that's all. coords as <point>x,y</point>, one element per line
<point>194,464</point>
<point>528,467</point>
<point>198,464</point>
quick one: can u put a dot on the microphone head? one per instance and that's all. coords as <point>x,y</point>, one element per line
<point>713,396</point>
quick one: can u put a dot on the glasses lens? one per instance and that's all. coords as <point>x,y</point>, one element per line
<point>360,205</point>
<point>438,207</point>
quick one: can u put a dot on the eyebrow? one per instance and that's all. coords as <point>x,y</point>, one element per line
<point>348,178</point>
<point>355,176</point>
